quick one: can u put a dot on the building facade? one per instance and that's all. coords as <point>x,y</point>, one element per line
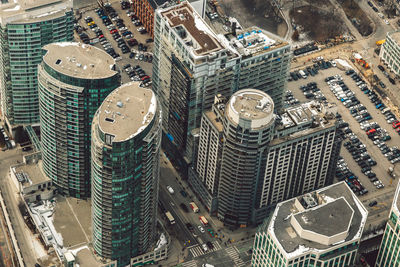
<point>389,251</point>
<point>321,228</point>
<point>193,63</point>
<point>241,172</point>
<point>73,79</point>
<point>126,140</point>
<point>25,27</point>
<point>390,51</point>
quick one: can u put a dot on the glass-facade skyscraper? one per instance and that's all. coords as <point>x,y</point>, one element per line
<point>126,139</point>
<point>25,27</point>
<point>73,79</point>
<point>389,252</point>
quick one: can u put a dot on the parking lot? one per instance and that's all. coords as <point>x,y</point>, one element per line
<point>112,30</point>
<point>360,146</point>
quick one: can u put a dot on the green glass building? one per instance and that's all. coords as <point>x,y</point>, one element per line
<point>25,27</point>
<point>126,138</point>
<point>322,228</point>
<point>389,252</point>
<point>73,79</point>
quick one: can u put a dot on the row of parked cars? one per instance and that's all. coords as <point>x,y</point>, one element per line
<point>311,91</point>
<point>8,142</point>
<point>136,73</point>
<point>311,70</point>
<point>290,99</point>
<point>387,75</point>
<point>360,155</point>
<point>344,173</point>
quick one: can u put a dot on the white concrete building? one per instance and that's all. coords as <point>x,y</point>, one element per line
<point>321,228</point>
<point>390,51</point>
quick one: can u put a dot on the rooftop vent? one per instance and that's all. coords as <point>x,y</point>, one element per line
<point>309,201</point>
<point>78,65</point>
<point>119,104</point>
<point>58,61</point>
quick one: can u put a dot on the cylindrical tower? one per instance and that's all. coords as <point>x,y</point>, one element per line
<point>73,79</point>
<point>248,127</point>
<point>126,139</point>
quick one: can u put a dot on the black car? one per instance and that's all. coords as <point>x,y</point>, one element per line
<point>189,226</point>
<point>372,203</point>
<point>184,207</point>
<point>210,245</point>
<point>183,192</point>
<point>381,68</point>
<point>392,81</point>
<point>375,9</point>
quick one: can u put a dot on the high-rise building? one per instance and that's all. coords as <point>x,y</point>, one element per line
<point>321,228</point>
<point>144,10</point>
<point>126,140</point>
<point>73,80</point>
<point>389,251</point>
<point>192,63</point>
<point>249,159</point>
<point>25,27</point>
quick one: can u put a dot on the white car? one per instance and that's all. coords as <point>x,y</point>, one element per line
<point>170,190</point>
<point>386,22</point>
<point>201,229</point>
<point>204,247</point>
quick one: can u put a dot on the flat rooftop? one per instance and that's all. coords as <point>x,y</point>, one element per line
<point>79,60</point>
<point>34,172</point>
<point>396,37</point>
<point>306,113</point>
<point>251,104</point>
<point>32,10</point>
<point>329,219</point>
<point>280,224</point>
<point>254,40</point>
<point>127,111</point>
<point>213,118</point>
<point>192,28</point>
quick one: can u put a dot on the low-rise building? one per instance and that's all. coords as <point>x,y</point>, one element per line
<point>321,228</point>
<point>31,182</point>
<point>390,51</point>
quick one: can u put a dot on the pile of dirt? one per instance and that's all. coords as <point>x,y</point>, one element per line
<point>319,24</point>
<point>357,16</point>
<point>254,12</point>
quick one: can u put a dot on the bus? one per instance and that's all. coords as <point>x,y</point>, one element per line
<point>194,207</point>
<point>170,217</point>
<point>203,220</point>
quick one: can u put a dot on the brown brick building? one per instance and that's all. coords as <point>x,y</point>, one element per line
<point>144,10</point>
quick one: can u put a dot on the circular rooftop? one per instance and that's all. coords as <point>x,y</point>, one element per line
<point>127,111</point>
<point>250,105</point>
<point>79,60</point>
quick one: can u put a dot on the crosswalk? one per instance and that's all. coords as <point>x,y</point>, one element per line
<point>198,250</point>
<point>234,255</point>
<point>191,263</point>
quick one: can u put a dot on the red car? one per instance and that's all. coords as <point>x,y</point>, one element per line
<point>396,124</point>
<point>113,31</point>
<point>101,36</point>
<point>145,77</point>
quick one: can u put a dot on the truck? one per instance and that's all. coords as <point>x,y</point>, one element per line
<point>194,207</point>
<point>170,217</point>
<point>203,220</point>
